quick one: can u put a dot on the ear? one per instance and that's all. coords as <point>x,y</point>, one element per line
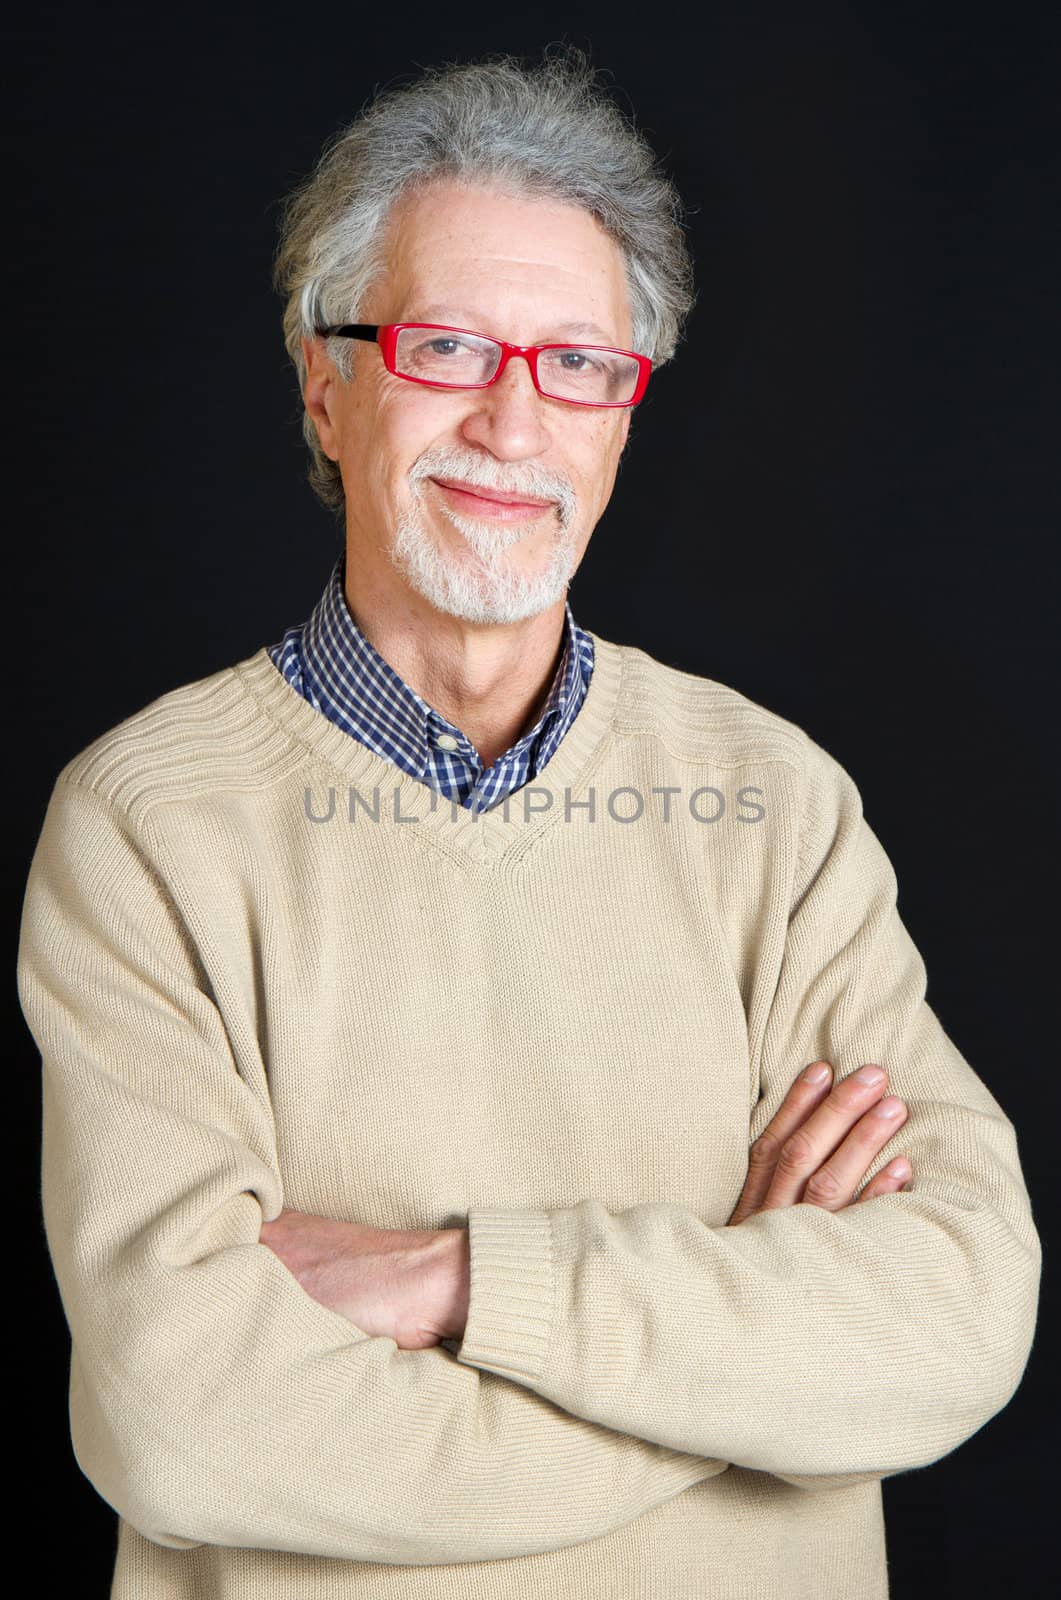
<point>320,394</point>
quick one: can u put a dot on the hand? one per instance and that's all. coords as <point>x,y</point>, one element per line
<point>408,1285</point>
<point>816,1150</point>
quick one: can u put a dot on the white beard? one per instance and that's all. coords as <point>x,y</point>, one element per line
<point>490,588</point>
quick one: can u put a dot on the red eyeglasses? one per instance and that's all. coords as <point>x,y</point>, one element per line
<point>457,358</point>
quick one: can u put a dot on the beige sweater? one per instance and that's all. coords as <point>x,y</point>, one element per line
<point>560,1023</point>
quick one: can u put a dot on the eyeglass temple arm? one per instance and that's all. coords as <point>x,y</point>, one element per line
<point>350,330</point>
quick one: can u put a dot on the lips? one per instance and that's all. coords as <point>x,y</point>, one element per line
<point>499,496</point>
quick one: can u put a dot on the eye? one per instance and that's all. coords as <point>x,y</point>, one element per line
<point>436,345</point>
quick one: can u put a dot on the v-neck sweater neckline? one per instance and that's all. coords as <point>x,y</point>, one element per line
<point>401,798</point>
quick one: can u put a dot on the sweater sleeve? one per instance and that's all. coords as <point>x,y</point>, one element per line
<point>822,1347</point>
<point>212,1400</point>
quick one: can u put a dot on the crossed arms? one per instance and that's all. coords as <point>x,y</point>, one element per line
<point>414,1286</point>
<point>213,1400</point>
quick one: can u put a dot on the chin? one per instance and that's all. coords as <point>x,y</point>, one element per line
<point>480,583</point>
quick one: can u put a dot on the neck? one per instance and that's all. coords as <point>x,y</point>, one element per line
<point>491,680</point>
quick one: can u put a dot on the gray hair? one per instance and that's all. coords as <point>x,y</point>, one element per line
<point>550,132</point>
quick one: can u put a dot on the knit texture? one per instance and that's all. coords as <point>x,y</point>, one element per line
<point>266,968</point>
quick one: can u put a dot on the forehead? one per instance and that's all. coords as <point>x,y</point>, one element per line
<point>530,266</point>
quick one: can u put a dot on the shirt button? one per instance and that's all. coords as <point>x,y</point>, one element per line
<point>446,741</point>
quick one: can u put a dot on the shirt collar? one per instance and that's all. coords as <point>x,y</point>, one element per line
<point>366,693</point>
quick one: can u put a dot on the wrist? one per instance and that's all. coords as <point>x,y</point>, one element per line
<point>456,1246</point>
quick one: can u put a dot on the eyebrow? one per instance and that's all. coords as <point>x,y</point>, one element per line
<point>458,318</point>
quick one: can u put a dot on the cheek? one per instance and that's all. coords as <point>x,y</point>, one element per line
<point>389,438</point>
<point>601,457</point>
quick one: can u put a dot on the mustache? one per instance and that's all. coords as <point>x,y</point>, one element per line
<point>529,477</point>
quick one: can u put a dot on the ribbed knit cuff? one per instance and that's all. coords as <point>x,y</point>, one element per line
<point>510,1310</point>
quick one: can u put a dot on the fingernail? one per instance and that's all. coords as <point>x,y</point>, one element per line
<point>890,1106</point>
<point>898,1169</point>
<point>870,1074</point>
<point>816,1074</point>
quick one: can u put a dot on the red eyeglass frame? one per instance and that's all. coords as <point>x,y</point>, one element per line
<point>385,334</point>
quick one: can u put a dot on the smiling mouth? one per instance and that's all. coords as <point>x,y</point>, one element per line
<point>498,503</point>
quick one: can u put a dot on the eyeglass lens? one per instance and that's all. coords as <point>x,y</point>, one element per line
<point>565,372</point>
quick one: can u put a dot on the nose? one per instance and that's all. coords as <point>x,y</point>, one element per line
<point>509,418</point>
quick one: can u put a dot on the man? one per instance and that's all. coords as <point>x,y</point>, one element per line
<point>438,1199</point>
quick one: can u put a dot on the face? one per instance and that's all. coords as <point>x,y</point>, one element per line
<point>527,270</point>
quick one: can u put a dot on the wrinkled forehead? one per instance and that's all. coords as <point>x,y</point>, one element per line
<point>539,265</point>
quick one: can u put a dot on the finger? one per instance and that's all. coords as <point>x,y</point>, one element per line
<point>894,1178</point>
<point>811,1145</point>
<point>834,1183</point>
<point>794,1109</point>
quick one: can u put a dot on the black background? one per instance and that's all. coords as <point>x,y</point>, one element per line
<point>840,498</point>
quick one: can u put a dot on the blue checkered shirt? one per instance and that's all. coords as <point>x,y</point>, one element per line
<point>333,666</point>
